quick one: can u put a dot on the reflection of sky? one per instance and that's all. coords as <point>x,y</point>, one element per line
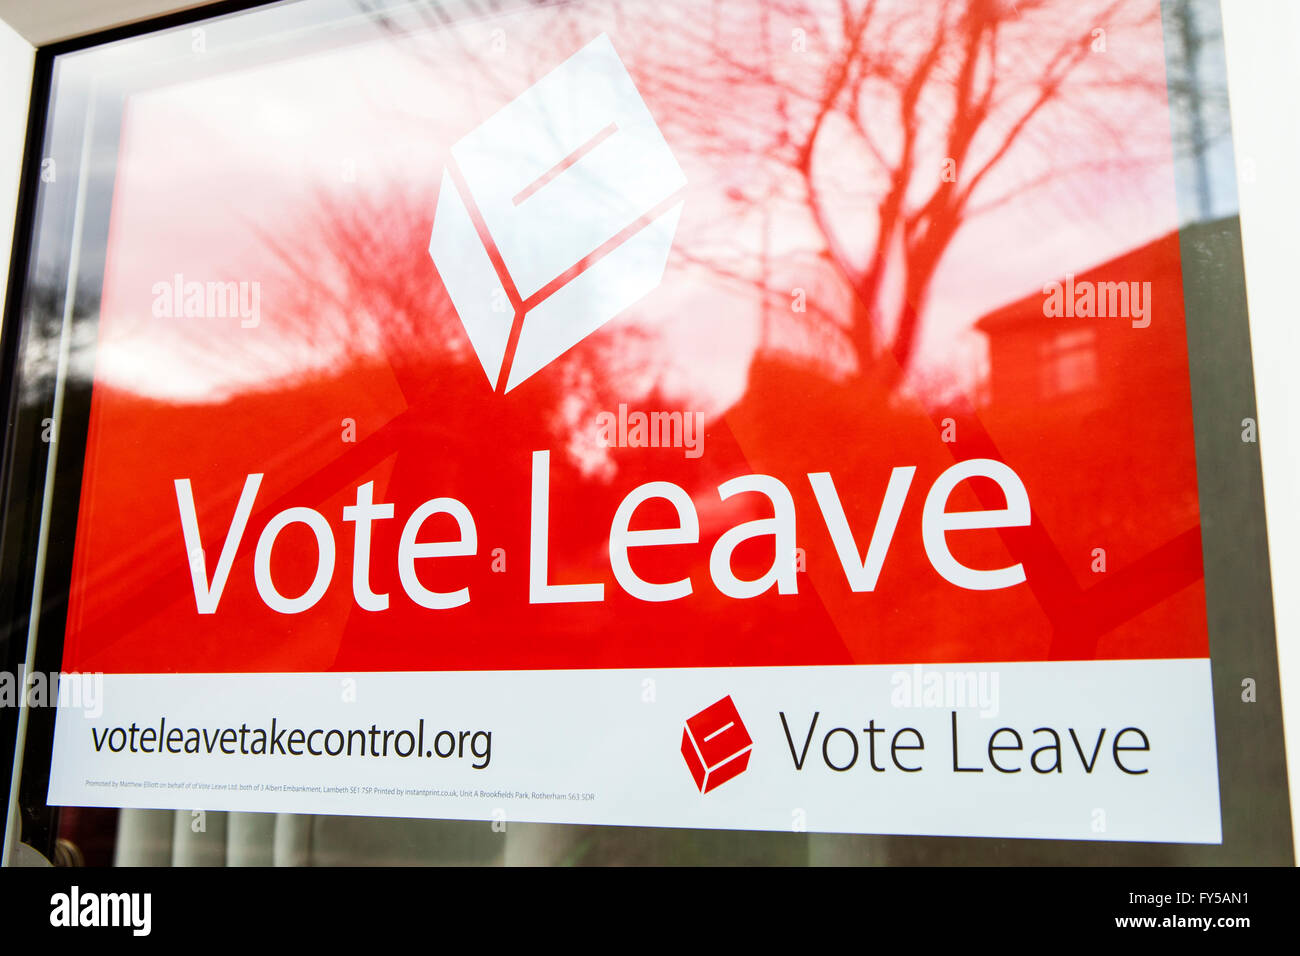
<point>1216,160</point>
<point>209,166</point>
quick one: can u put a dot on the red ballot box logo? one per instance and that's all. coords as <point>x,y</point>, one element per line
<point>716,745</point>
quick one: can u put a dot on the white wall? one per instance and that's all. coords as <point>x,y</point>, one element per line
<point>1262,47</point>
<point>48,21</point>
<point>16,59</point>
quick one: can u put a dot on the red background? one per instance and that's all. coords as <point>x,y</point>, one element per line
<point>1108,463</point>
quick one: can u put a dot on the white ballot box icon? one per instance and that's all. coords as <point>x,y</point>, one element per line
<point>572,183</point>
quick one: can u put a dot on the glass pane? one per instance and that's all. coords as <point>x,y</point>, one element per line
<point>767,431</point>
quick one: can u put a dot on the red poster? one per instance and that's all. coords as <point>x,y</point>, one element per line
<point>556,377</point>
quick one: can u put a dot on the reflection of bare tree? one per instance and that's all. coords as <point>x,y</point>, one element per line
<point>916,110</point>
<point>348,265</point>
<point>890,124</point>
<point>953,71</point>
<point>43,310</point>
<point>366,290</point>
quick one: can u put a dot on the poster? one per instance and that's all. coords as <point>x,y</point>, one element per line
<point>764,420</point>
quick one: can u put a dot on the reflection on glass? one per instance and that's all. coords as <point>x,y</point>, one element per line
<point>881,200</point>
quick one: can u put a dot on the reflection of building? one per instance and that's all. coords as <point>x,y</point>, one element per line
<point>1058,362</point>
<point>1105,404</point>
<point>1068,362</point>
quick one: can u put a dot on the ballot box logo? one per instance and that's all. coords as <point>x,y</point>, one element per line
<point>555,215</point>
<point>716,745</point>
